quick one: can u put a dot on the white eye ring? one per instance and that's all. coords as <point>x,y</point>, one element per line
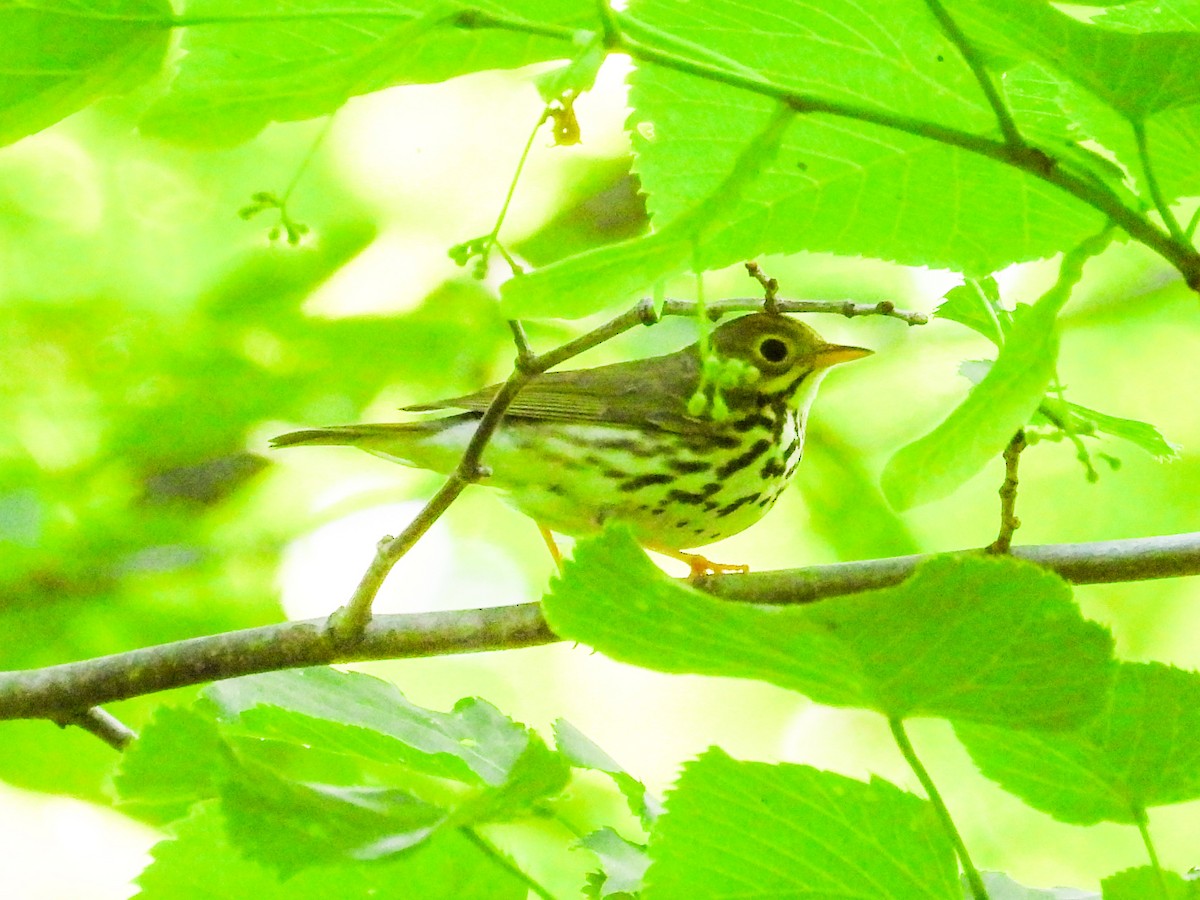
<point>773,350</point>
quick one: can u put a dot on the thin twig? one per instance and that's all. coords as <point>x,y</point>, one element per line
<point>714,309</point>
<point>55,692</point>
<point>1009,522</point>
<point>102,724</point>
<point>770,287</point>
<point>971,57</point>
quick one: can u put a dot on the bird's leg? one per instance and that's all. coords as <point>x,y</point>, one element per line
<point>551,545</point>
<point>699,565</point>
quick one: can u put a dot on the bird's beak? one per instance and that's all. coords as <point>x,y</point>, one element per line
<point>832,354</point>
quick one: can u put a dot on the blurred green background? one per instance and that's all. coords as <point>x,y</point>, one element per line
<point>151,342</point>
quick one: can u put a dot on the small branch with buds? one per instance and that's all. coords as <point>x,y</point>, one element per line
<point>1009,522</point>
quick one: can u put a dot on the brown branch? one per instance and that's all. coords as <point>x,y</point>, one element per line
<point>59,692</point>
<point>1009,522</point>
<point>103,725</point>
<point>848,308</point>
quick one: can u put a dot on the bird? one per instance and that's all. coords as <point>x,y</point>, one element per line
<point>684,449</point>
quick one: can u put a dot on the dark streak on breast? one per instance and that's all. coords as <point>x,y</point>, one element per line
<point>632,446</point>
<point>736,504</point>
<point>641,481</point>
<point>757,449</point>
<point>688,466</point>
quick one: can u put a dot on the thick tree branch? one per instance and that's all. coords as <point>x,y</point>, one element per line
<point>59,692</point>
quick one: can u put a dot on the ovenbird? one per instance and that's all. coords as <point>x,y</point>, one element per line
<point>680,455</point>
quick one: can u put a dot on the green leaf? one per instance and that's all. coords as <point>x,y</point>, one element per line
<point>363,810</point>
<point>746,829</point>
<point>300,60</point>
<point>350,712</point>
<point>1136,74</point>
<point>158,782</point>
<point>978,429</point>
<point>598,278</point>
<point>973,638</point>
<point>595,279</point>
<point>1160,15</point>
<point>837,184</point>
<point>582,753</point>
<point>977,305</point>
<point>537,773</point>
<point>844,505</point>
<point>1089,422</point>
<point>1144,882</point>
<point>624,863</point>
<point>198,863</point>
<point>1143,751</point>
<point>1096,82</point>
<point>1082,420</point>
<point>290,825</point>
<point>61,55</point>
<point>578,75</point>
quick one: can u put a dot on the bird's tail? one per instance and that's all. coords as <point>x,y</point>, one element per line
<point>434,444</point>
<point>349,435</point>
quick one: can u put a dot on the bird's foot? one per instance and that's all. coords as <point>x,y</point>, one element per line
<point>701,566</point>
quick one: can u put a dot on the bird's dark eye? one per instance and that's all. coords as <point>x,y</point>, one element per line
<point>773,350</point>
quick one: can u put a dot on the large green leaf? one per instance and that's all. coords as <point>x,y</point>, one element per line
<point>198,862</point>
<point>837,184</point>
<point>1154,15</point>
<point>1136,74</point>
<point>298,59</point>
<point>58,56</point>
<point>355,713</point>
<point>978,429</point>
<point>315,766</point>
<point>1143,751</point>
<point>749,829</point>
<point>979,639</point>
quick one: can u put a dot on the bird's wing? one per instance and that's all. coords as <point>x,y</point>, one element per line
<point>630,393</point>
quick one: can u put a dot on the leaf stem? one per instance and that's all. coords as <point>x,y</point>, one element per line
<point>494,235</point>
<point>492,852</point>
<point>1008,127</point>
<point>1143,824</point>
<point>1160,203</point>
<point>1192,223</point>
<point>939,807</point>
